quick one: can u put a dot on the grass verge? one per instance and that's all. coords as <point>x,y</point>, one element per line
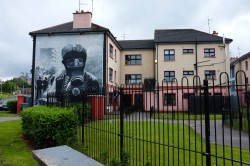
<point>185,116</point>
<point>8,114</point>
<point>13,151</point>
<point>155,143</point>
<point>6,95</point>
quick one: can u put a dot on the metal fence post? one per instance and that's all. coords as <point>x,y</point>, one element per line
<point>207,122</point>
<point>83,116</point>
<point>121,123</point>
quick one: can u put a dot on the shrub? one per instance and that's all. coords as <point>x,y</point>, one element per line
<point>48,127</point>
<point>87,112</point>
<point>12,106</point>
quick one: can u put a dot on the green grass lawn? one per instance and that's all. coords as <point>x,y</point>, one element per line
<point>175,144</point>
<point>236,120</point>
<point>8,114</point>
<point>6,95</point>
<point>185,116</point>
<point>13,151</point>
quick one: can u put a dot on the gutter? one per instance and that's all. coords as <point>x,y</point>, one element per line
<point>66,32</point>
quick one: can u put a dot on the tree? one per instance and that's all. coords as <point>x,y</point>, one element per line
<point>14,84</point>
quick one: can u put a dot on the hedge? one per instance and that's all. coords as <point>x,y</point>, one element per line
<point>12,106</point>
<point>48,127</point>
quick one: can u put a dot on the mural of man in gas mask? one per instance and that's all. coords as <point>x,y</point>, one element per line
<point>75,80</point>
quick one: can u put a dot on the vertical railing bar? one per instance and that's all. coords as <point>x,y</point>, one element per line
<point>207,122</point>
<point>239,111</point>
<point>215,131</point>
<point>121,124</point>
<point>83,117</point>
<point>154,136</point>
<point>168,122</point>
<point>159,131</point>
<point>173,117</point>
<point>163,122</point>
<point>183,121</point>
<point>195,128</point>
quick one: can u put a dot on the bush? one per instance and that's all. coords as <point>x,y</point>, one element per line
<point>87,112</point>
<point>48,127</point>
<point>12,106</point>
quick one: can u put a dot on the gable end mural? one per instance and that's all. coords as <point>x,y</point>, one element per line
<point>68,64</point>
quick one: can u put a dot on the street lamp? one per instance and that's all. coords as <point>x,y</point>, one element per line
<point>23,83</point>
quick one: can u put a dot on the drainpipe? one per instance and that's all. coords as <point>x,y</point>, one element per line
<point>156,64</point>
<point>196,61</point>
<point>33,71</point>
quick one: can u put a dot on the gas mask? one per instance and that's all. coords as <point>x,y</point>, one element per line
<point>75,69</point>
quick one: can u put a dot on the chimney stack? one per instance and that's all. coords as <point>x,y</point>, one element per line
<point>215,33</point>
<point>82,19</point>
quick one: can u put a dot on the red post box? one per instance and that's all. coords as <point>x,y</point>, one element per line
<point>20,100</point>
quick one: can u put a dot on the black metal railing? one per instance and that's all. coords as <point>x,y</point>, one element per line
<point>170,124</point>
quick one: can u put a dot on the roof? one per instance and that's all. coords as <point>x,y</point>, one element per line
<point>137,44</point>
<point>68,28</point>
<point>186,36</point>
<point>243,57</point>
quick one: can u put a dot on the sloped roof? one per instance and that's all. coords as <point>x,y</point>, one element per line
<point>186,36</point>
<point>243,57</point>
<point>68,28</point>
<point>136,44</point>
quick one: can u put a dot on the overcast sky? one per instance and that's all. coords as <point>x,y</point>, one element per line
<point>137,19</point>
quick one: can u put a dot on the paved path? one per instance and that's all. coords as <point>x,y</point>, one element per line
<point>221,135</point>
<point>2,119</point>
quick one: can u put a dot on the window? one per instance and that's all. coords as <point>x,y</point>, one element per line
<point>210,74</point>
<point>133,78</point>
<point>169,55</point>
<point>246,65</point>
<point>188,95</point>
<point>169,99</point>
<point>133,59</point>
<point>115,77</point>
<point>110,51</point>
<point>110,74</point>
<point>188,51</point>
<point>209,52</point>
<point>169,75</point>
<point>188,73</point>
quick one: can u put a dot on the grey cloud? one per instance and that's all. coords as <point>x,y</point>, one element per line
<point>136,18</point>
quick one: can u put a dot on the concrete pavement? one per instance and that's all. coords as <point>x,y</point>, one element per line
<point>2,119</point>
